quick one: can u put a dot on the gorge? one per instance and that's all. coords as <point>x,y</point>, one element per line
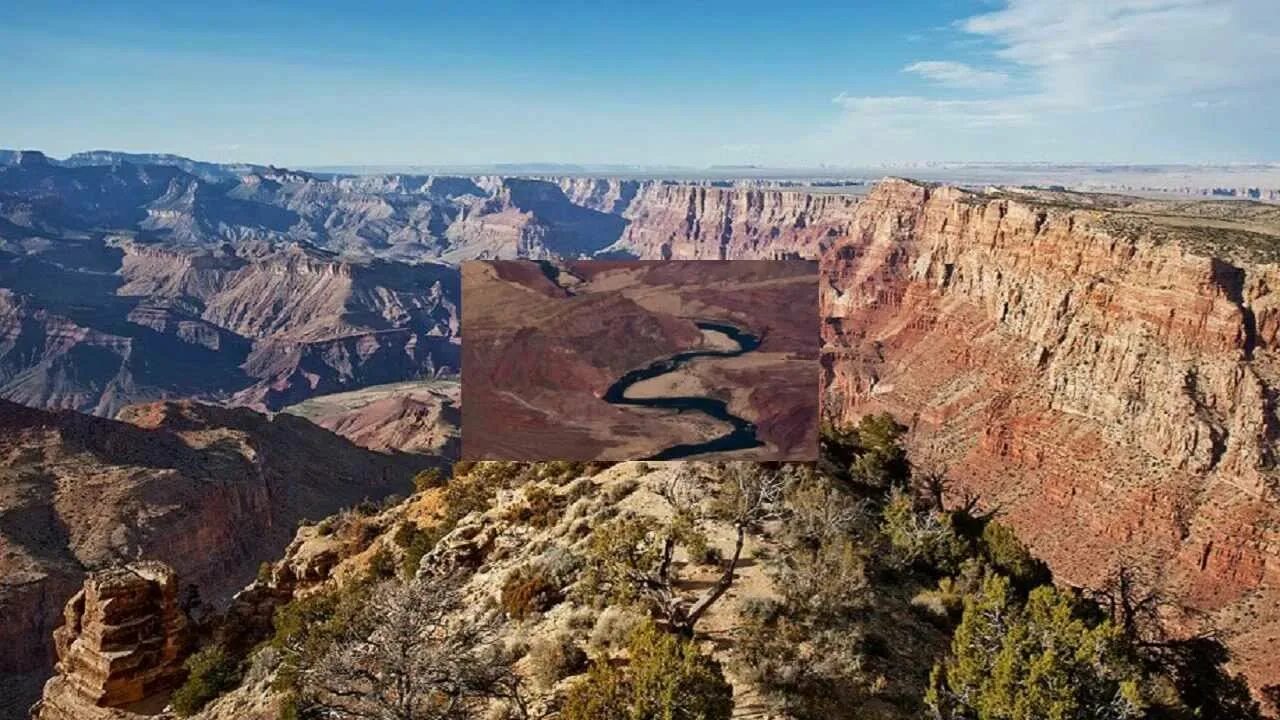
<point>741,437</point>
<point>616,360</point>
<point>1098,370</point>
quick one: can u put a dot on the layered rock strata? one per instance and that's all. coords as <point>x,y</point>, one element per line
<point>1102,372</point>
<point>122,642</point>
<point>692,222</point>
<point>211,491</point>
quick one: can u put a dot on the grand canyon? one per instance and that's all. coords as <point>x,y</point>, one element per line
<point>614,360</point>
<point>239,370</point>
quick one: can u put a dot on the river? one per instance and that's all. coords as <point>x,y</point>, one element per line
<point>742,436</point>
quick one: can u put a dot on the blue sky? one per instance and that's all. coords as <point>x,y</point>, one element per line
<point>782,83</point>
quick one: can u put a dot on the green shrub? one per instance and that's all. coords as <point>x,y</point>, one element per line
<point>1007,553</point>
<point>694,540</point>
<point>382,566</point>
<point>289,709</point>
<point>463,496</point>
<point>816,670</point>
<point>553,658</point>
<point>618,553</point>
<point>613,628</point>
<point>924,537</point>
<point>618,491</point>
<point>428,479</point>
<point>1039,660</point>
<point>327,526</point>
<point>561,470</point>
<point>541,507</point>
<point>879,459</point>
<point>471,490</point>
<point>305,627</point>
<point>416,542</point>
<point>210,673</point>
<point>666,678</point>
<point>708,555</point>
<point>943,602</point>
<point>604,694</point>
<point>827,580</point>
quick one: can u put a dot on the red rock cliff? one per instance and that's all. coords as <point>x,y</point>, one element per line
<point>693,222</point>
<point>1103,371</point>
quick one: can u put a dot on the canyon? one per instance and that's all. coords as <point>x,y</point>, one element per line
<point>133,278</point>
<point>417,416</point>
<point>211,491</point>
<point>554,348</point>
<point>1100,371</point>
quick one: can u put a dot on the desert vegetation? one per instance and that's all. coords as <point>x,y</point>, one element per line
<point>857,587</point>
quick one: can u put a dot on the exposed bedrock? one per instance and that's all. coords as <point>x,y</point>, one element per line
<point>693,222</point>
<point>1106,379</point>
<point>122,642</point>
<point>211,491</point>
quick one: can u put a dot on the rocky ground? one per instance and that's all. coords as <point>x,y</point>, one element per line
<point>421,416</point>
<point>211,491</point>
<point>541,523</point>
<point>515,588</point>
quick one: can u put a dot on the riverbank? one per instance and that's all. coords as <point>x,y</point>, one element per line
<point>668,385</point>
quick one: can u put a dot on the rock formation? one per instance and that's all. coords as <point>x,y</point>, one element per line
<point>697,221</point>
<point>1101,370</point>
<point>711,223</point>
<point>152,277</point>
<point>419,417</point>
<point>211,491</point>
<point>122,642</point>
<point>130,322</point>
<point>531,218</point>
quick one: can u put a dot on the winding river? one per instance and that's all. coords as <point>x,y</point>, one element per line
<point>742,436</point>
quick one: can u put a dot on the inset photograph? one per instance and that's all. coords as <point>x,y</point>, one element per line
<point>630,360</point>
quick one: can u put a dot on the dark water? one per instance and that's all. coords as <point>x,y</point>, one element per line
<point>743,434</point>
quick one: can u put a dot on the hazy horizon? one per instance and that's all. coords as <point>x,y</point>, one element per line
<point>551,165</point>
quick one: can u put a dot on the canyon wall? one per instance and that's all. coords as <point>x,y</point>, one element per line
<point>1102,377</point>
<point>667,220</point>
<point>96,325</point>
<point>712,223</point>
<point>211,491</point>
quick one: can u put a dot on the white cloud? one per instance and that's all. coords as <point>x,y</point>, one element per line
<point>956,74</point>
<point>1110,76</point>
<point>1136,51</point>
